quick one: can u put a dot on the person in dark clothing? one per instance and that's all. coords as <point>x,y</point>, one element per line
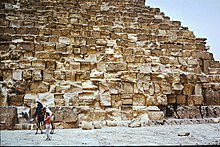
<point>39,108</point>
<point>39,116</point>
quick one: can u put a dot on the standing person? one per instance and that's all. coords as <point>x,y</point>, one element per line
<point>47,121</point>
<point>39,116</point>
<point>51,120</point>
<point>39,108</point>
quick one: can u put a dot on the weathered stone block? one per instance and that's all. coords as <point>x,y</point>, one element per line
<point>7,75</point>
<point>177,86</point>
<point>116,101</point>
<point>38,87</point>
<point>70,75</point>
<point>116,66</point>
<point>17,75</point>
<point>105,100</point>
<point>188,112</point>
<point>99,115</point>
<point>8,117</point>
<point>37,75</point>
<point>212,97</point>
<point>139,100</point>
<point>198,99</point>
<point>156,115</point>
<point>188,89</point>
<point>16,99</point>
<point>172,99</point>
<point>127,87</point>
<point>48,76</point>
<point>127,101</point>
<point>181,99</point>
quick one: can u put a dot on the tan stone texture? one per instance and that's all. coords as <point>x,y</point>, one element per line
<point>102,55</point>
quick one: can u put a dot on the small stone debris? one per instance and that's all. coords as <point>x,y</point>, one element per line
<point>183,133</point>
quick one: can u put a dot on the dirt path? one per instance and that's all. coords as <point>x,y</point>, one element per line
<point>200,134</point>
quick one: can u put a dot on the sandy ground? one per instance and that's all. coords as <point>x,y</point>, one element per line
<point>200,134</point>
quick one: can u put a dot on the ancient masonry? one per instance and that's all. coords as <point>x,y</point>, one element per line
<point>102,62</point>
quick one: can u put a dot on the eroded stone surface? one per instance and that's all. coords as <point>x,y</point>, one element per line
<point>101,58</point>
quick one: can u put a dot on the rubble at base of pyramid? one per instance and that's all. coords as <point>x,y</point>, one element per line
<point>102,63</point>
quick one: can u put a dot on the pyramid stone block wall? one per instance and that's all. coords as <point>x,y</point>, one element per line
<point>104,59</point>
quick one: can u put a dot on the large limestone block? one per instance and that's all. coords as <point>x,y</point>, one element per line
<point>27,74</point>
<point>96,75</point>
<point>155,67</point>
<point>177,86</point>
<point>70,99</point>
<point>3,96</point>
<point>212,97</point>
<point>150,100</point>
<point>105,100</point>
<point>156,100</point>
<point>216,86</point>
<point>20,87</point>
<point>101,66</point>
<point>146,87</point>
<point>213,111</point>
<point>116,100</point>
<point>214,78</point>
<point>74,66</point>
<point>172,99</point>
<point>101,42</point>
<point>88,95</point>
<point>89,85</point>
<point>70,75</point>
<point>8,117</point>
<point>181,99</point>
<point>129,77</point>
<point>7,75</point>
<point>48,76</point>
<point>146,68</point>
<point>38,64</point>
<point>127,87</point>
<point>37,75</point>
<point>42,55</point>
<point>156,115</point>
<point>50,64</point>
<point>39,87</point>
<point>30,99</point>
<point>70,115</point>
<point>139,121</point>
<point>198,99</point>
<point>188,112</point>
<point>17,75</point>
<point>177,52</point>
<point>129,58</point>
<point>85,116</point>
<point>65,114</point>
<point>139,100</point>
<point>116,66</point>
<point>47,99</point>
<point>138,110</point>
<point>85,66</point>
<point>113,114</point>
<point>127,101</point>
<point>16,99</point>
<point>114,87</point>
<point>99,115</point>
<point>166,88</point>
<point>188,89</point>
<point>192,61</point>
<point>198,89</point>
